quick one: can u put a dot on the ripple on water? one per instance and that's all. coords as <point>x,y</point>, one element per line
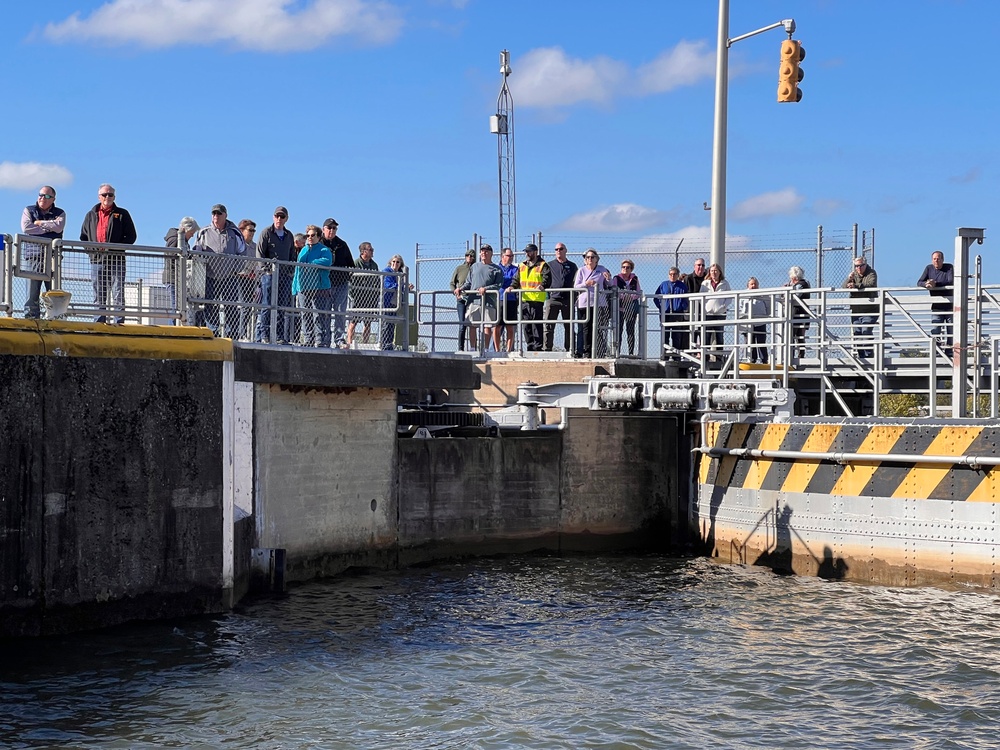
<point>543,652</point>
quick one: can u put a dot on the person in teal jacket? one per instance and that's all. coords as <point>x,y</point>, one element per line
<point>311,288</point>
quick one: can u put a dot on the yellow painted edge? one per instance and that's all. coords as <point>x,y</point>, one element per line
<point>70,343</point>
<point>921,480</point>
<point>68,326</point>
<point>821,437</point>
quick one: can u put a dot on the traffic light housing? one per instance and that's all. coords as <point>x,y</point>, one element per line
<point>790,71</point>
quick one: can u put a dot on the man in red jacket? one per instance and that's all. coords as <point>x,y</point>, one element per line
<point>107,222</point>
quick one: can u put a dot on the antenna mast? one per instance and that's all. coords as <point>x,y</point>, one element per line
<point>502,124</point>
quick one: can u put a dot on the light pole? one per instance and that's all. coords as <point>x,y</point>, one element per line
<point>718,238</point>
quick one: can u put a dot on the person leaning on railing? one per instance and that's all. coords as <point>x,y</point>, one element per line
<point>178,237</point>
<point>861,279</point>
<point>108,222</point>
<point>939,278</point>
<point>44,220</point>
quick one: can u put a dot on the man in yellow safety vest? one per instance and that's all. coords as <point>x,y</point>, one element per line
<point>533,278</point>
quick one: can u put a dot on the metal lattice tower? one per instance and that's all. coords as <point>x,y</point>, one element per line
<point>502,124</point>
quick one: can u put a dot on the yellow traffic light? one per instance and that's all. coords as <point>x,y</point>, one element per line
<point>790,73</point>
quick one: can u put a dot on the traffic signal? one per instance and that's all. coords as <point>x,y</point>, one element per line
<point>790,73</point>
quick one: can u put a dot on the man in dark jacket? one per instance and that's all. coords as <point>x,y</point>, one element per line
<point>108,222</point>
<point>340,280</point>
<point>560,303</point>
<point>939,278</point>
<point>43,220</point>
<point>275,244</point>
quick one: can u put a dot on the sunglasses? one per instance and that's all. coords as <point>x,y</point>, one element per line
<point>590,257</point>
<point>281,216</point>
<point>217,213</point>
<point>312,234</point>
<point>107,195</point>
<point>49,196</point>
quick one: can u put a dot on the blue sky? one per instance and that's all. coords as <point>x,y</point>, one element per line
<point>377,113</point>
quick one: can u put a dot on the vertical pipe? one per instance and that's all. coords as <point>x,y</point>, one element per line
<point>719,140</point>
<point>819,256</point>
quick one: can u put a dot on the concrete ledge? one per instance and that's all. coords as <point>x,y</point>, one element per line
<point>97,340</point>
<point>347,369</point>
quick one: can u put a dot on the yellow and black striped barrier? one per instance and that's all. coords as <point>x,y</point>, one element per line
<point>906,461</point>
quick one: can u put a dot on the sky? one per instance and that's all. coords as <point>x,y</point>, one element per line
<point>377,113</point>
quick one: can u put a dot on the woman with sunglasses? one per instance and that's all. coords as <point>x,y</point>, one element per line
<point>310,286</point>
<point>629,293</point>
<point>390,300</point>
<point>591,305</point>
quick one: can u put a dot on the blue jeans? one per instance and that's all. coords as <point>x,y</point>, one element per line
<point>941,323</point>
<point>283,326</point>
<point>462,307</point>
<point>316,319</point>
<point>863,325</point>
<point>226,289</point>
<point>108,276</point>
<point>34,263</point>
<point>338,298</point>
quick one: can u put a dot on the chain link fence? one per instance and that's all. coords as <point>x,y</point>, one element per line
<point>825,257</point>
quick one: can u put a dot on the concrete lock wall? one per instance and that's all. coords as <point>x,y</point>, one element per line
<point>606,482</point>
<point>335,488</point>
<point>325,476</point>
<point>110,491</point>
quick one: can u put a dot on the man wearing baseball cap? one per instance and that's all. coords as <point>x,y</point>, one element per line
<point>275,244</point>
<point>222,238</point>
<point>533,277</point>
<point>458,279</point>
<point>340,280</point>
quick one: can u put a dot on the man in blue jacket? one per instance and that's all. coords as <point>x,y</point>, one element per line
<point>673,309</point>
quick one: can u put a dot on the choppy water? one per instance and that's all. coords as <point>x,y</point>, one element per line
<point>603,652</point>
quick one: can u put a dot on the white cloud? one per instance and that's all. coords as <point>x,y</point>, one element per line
<point>548,77</point>
<point>31,174</point>
<point>684,65</point>
<point>776,203</point>
<point>260,25</point>
<point>621,217</point>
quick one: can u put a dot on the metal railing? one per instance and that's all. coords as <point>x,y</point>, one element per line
<point>826,340</point>
<point>247,299</point>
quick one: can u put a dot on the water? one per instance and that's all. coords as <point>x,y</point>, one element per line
<point>538,652</point>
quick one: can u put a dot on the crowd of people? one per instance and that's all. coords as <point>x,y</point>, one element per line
<point>536,293</point>
<point>497,299</point>
<point>234,269</point>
